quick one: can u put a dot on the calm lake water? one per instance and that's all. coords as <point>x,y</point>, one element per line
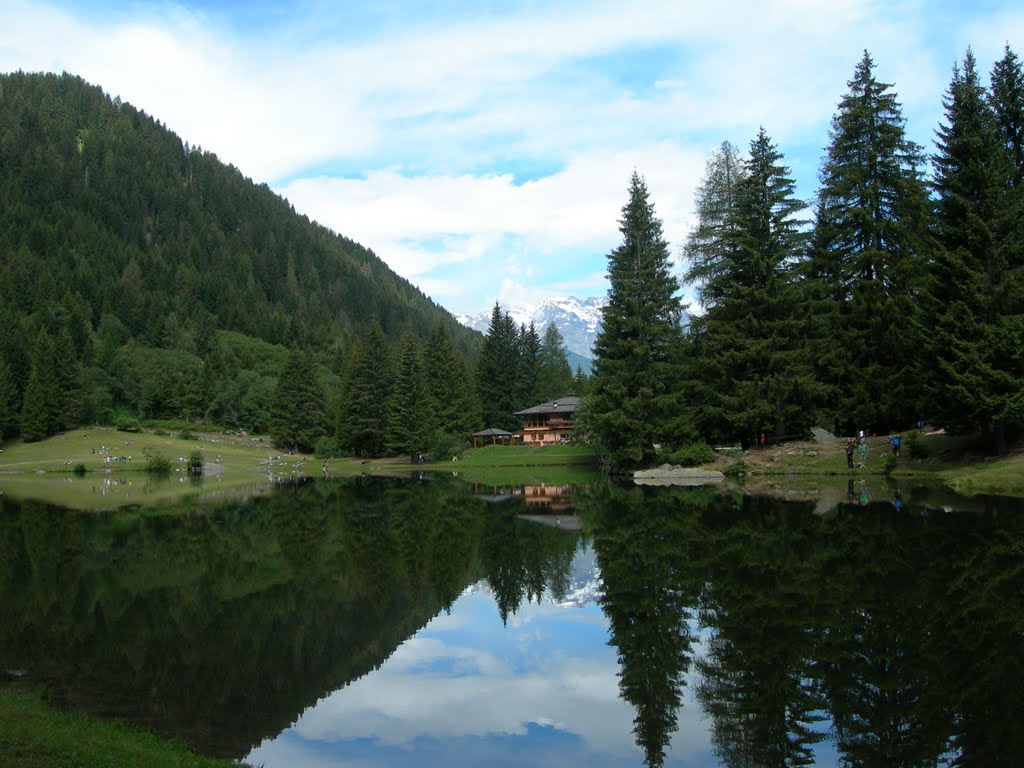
<point>427,622</point>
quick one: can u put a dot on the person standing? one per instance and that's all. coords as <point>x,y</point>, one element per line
<point>895,441</point>
<point>849,454</point>
<point>863,450</point>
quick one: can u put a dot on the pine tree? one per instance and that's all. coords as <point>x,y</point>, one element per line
<point>554,378</point>
<point>411,423</point>
<point>298,415</point>
<point>8,403</point>
<point>977,339</point>
<point>450,385</point>
<point>756,370</point>
<point>715,202</point>
<point>528,373</point>
<point>496,372</point>
<point>632,398</point>
<point>870,244</point>
<point>363,417</point>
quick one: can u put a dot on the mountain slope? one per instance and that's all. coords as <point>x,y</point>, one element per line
<point>107,213</point>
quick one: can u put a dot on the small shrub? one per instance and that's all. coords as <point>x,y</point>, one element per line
<point>156,462</point>
<point>79,469</point>
<point>186,434</point>
<point>327,448</point>
<point>195,463</point>
<point>126,424</point>
<point>692,454</point>
<point>160,432</point>
<point>890,464</point>
<point>446,447</point>
<point>916,448</point>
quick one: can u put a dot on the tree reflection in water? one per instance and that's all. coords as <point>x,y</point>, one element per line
<point>888,634</point>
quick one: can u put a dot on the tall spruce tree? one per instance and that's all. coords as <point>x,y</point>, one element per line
<point>529,367</point>
<point>715,202</point>
<point>555,377</point>
<point>298,415</point>
<point>870,245</point>
<point>496,372</point>
<point>363,416</point>
<point>411,423</point>
<point>755,365</point>
<point>632,398</point>
<point>978,329</point>
<point>450,386</point>
<point>8,402</point>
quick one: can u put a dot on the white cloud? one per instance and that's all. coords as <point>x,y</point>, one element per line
<point>415,138</point>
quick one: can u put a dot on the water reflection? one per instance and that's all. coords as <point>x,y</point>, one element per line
<point>417,623</point>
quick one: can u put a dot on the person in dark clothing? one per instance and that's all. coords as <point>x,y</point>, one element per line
<point>849,453</point>
<point>895,441</point>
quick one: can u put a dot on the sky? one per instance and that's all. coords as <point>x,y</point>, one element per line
<point>483,148</point>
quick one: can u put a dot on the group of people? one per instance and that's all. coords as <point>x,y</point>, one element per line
<point>860,447</point>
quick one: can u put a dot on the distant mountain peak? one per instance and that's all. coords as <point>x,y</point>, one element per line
<point>578,320</point>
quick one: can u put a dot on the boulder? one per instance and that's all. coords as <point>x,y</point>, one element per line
<point>671,475</point>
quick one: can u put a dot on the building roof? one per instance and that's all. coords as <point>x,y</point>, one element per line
<point>491,432</point>
<point>566,404</point>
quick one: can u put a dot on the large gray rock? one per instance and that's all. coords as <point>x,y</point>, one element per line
<point>667,474</point>
<point>823,436</point>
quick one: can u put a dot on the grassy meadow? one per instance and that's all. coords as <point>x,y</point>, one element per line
<point>33,735</point>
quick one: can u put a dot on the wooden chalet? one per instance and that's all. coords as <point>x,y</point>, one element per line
<point>549,423</point>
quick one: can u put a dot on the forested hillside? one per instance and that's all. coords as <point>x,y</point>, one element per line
<point>143,277</point>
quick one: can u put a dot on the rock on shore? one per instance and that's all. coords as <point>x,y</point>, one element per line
<point>667,474</point>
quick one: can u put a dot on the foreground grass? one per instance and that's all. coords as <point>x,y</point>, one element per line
<point>32,735</point>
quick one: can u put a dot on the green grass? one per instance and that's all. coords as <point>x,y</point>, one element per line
<point>43,470</point>
<point>32,735</point>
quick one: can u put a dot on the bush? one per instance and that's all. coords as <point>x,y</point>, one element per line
<point>327,448</point>
<point>79,469</point>
<point>692,454</point>
<point>916,448</point>
<point>195,462</point>
<point>186,434</point>
<point>126,424</point>
<point>156,462</point>
<point>446,447</point>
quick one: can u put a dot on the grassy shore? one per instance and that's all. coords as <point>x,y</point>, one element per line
<point>244,465</point>
<point>33,735</point>
<point>958,463</point>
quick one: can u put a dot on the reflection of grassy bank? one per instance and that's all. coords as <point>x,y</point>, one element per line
<point>33,735</point>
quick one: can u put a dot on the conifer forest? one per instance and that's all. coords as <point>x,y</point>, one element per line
<point>144,281</point>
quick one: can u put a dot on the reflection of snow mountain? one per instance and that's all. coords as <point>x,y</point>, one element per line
<point>578,320</point>
<point>585,585</point>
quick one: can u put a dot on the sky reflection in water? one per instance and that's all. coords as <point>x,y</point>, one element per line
<point>467,691</point>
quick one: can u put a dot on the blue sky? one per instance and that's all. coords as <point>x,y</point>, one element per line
<point>483,149</point>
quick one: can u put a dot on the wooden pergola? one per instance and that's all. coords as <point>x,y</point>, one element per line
<point>491,436</point>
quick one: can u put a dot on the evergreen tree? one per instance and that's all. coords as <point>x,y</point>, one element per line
<point>528,375</point>
<point>40,407</point>
<point>363,418</point>
<point>756,369</point>
<point>632,399</point>
<point>496,372</point>
<point>715,202</point>
<point>554,378</point>
<point>68,374</point>
<point>8,402</point>
<point>450,385</point>
<point>978,330</point>
<point>411,424</point>
<point>869,249</point>
<point>298,415</point>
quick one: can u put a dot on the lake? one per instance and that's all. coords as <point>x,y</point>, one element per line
<point>425,621</point>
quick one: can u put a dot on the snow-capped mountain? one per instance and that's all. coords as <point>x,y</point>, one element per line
<point>578,320</point>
